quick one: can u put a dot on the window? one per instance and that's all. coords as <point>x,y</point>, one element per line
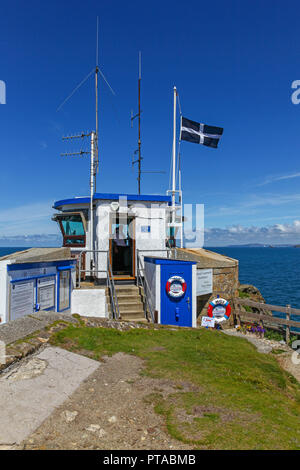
<point>72,226</point>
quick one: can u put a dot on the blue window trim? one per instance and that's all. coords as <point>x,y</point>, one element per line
<point>22,279</point>
<point>42,264</point>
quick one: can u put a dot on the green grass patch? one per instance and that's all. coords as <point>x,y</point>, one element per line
<point>243,295</point>
<point>237,398</point>
<point>273,335</point>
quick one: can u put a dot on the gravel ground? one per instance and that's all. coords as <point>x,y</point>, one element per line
<point>108,411</point>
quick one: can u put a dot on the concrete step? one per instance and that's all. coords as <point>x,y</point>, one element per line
<point>126,299</point>
<point>132,314</point>
<point>136,319</point>
<point>130,297</point>
<point>131,307</point>
<point>125,290</point>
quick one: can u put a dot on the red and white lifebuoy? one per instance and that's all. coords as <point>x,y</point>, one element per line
<point>219,309</point>
<point>176,286</point>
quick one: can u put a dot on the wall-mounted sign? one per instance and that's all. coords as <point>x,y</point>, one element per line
<point>204,281</point>
<point>208,322</point>
<point>21,299</point>
<point>46,292</point>
<point>145,228</point>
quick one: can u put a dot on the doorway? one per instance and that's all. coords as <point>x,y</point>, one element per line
<point>122,247</point>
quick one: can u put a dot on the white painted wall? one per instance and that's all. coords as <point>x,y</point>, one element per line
<point>194,295</point>
<point>89,303</point>
<point>146,214</point>
<point>152,213</point>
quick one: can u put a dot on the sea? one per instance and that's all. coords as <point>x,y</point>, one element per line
<point>6,250</point>
<point>275,271</point>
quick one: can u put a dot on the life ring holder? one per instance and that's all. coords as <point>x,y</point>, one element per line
<point>175,294</point>
<point>219,302</point>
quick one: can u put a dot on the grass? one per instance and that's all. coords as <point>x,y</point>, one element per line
<point>243,295</point>
<point>238,398</point>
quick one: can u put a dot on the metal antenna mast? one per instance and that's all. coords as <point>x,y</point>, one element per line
<point>92,184</point>
<point>138,115</point>
<point>96,170</point>
<point>94,166</point>
<point>139,160</point>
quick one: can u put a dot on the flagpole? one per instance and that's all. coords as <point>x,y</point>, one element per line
<point>174,166</point>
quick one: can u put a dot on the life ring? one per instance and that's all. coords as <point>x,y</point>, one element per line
<point>219,309</point>
<point>176,286</point>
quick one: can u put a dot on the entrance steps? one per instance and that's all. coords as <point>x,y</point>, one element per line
<point>130,302</point>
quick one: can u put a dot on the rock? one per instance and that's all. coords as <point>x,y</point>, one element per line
<point>93,428</point>
<point>112,419</point>
<point>43,340</point>
<point>101,433</point>
<point>25,348</point>
<point>252,292</point>
<point>69,416</point>
<point>28,370</point>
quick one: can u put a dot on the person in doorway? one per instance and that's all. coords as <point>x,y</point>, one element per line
<point>119,244</point>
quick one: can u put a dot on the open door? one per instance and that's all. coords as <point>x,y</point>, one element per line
<point>122,247</point>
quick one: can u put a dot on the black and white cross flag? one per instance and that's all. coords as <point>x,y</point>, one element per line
<point>200,133</point>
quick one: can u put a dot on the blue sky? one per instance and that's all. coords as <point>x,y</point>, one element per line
<point>233,63</point>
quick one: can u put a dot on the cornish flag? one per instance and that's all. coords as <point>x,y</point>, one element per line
<point>200,133</point>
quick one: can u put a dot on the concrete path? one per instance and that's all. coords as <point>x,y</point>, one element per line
<point>32,389</point>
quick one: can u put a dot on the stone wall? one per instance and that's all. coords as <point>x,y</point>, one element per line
<point>225,275</point>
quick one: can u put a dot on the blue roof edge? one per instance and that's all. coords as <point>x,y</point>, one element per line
<point>157,260</point>
<point>113,197</point>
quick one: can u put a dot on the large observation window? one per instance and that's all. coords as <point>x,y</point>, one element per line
<point>73,225</point>
<point>73,228</point>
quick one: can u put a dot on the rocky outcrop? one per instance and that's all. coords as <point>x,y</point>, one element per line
<point>248,291</point>
<point>251,292</point>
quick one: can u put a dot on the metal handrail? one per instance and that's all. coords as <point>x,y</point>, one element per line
<point>144,283</point>
<point>109,280</point>
<point>89,270</point>
<point>112,291</point>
